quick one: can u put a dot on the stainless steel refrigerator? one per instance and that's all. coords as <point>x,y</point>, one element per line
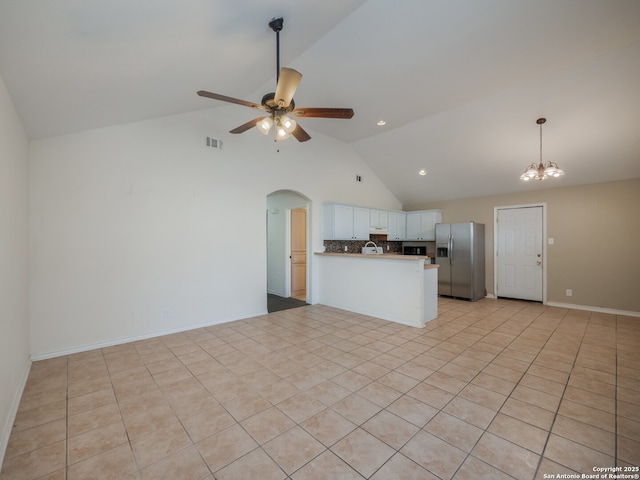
<point>460,254</point>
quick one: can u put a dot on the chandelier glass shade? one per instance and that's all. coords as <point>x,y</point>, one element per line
<point>541,171</point>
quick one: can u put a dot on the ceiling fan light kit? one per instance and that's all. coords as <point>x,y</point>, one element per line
<point>289,124</point>
<point>541,171</point>
<point>279,105</point>
<point>264,125</point>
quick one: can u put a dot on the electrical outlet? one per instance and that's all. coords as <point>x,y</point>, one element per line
<point>569,292</point>
<point>346,249</point>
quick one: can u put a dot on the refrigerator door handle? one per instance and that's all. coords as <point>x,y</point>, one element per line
<point>450,248</point>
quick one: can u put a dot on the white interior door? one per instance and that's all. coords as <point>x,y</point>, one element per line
<point>299,253</point>
<point>520,253</point>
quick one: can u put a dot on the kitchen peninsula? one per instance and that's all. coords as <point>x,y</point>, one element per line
<point>398,288</point>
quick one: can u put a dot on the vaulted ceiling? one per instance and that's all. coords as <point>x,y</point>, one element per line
<point>460,83</point>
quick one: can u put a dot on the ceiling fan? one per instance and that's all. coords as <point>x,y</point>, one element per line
<point>279,105</point>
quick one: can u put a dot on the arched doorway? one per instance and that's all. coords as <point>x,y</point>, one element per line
<point>287,249</point>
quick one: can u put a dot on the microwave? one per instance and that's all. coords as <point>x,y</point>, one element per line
<point>415,250</point>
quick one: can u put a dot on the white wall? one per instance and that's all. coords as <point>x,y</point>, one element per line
<point>141,229</point>
<point>14,282</point>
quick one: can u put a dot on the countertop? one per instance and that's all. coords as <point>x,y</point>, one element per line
<point>383,256</point>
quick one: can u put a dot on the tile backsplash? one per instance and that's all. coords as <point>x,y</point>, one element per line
<point>355,246</point>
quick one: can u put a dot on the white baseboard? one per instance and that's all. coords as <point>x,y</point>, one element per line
<point>120,341</point>
<point>611,311</point>
<point>15,403</point>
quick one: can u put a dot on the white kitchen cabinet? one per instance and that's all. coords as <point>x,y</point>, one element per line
<point>421,225</point>
<point>361,223</point>
<point>397,226</point>
<point>413,226</point>
<point>345,222</point>
<point>379,219</point>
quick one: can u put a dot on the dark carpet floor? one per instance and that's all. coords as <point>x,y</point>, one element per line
<point>276,303</point>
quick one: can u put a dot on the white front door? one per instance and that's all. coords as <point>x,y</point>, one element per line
<point>519,253</point>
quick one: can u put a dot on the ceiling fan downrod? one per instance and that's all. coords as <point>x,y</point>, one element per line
<point>276,25</point>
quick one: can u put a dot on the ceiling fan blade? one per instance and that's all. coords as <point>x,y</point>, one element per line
<point>246,126</point>
<point>288,82</point>
<point>324,112</point>
<point>224,98</point>
<point>300,134</point>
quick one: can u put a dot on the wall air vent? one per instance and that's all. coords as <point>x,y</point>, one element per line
<point>214,142</point>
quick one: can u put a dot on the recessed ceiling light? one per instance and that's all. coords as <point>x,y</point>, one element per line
<point>381,123</point>
<point>422,172</point>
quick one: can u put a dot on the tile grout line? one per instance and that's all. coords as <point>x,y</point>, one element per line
<point>171,408</point>
<point>531,363</point>
<point>468,454</point>
<point>557,412</point>
<point>543,336</point>
<point>66,424</point>
<point>615,398</point>
<point>329,448</point>
<point>238,422</point>
<point>485,430</point>
<point>297,424</point>
<point>117,399</point>
<point>440,341</point>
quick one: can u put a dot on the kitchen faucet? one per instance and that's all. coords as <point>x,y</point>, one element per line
<point>374,246</point>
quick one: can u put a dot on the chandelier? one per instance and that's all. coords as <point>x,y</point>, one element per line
<point>541,171</point>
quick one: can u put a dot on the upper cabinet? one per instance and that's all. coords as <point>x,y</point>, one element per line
<point>349,222</point>
<point>421,225</point>
<point>378,222</point>
<point>346,222</point>
<point>397,226</point>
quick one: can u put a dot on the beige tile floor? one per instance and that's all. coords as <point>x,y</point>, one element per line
<point>493,389</point>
